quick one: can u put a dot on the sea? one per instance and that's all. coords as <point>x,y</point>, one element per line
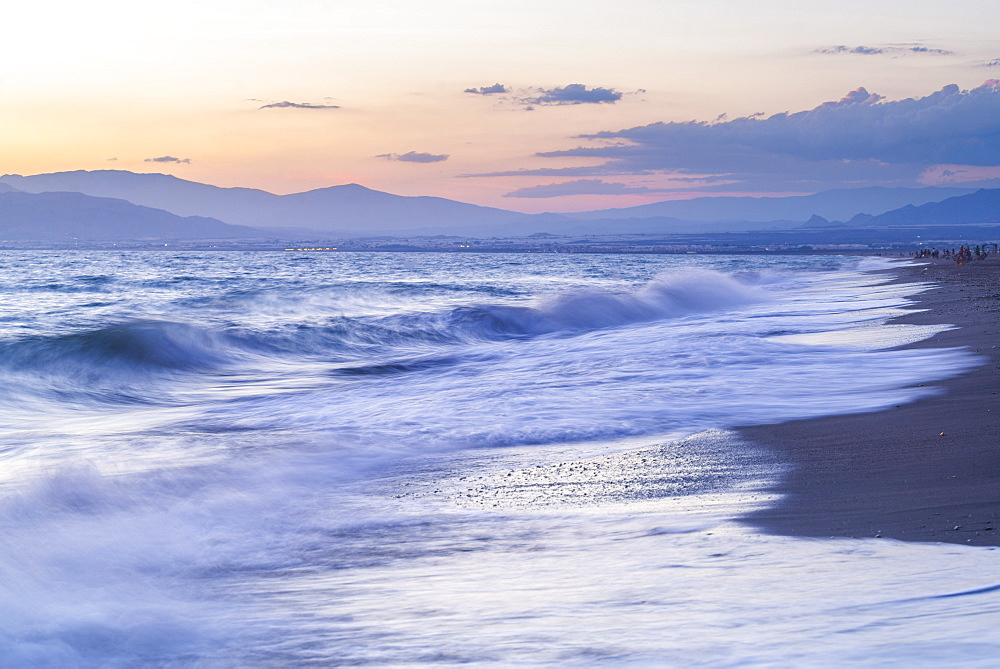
<point>273,459</point>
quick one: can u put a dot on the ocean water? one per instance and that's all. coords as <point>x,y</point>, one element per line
<point>309,459</point>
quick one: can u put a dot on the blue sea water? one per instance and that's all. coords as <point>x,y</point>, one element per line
<point>297,459</point>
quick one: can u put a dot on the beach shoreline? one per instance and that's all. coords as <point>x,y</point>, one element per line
<point>893,474</point>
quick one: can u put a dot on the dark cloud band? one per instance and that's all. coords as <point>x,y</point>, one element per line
<point>861,139</point>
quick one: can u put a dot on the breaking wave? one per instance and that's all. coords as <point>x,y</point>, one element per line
<point>165,346</point>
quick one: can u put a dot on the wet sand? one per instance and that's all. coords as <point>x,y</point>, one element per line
<point>891,474</point>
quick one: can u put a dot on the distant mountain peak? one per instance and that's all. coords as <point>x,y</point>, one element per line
<point>816,221</point>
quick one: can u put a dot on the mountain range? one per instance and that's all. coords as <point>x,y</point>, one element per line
<point>109,204</point>
<point>348,209</point>
<point>63,216</point>
<point>982,206</point>
<point>838,204</point>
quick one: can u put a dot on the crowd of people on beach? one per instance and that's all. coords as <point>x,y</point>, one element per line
<point>961,255</point>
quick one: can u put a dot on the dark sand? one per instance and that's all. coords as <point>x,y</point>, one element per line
<point>890,473</point>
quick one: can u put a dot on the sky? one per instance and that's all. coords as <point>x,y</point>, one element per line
<point>541,105</point>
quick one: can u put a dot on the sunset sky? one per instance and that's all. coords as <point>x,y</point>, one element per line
<point>547,105</point>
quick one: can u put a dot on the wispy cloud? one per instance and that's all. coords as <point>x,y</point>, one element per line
<point>862,50</point>
<point>414,157</point>
<point>572,94</point>
<point>546,171</point>
<point>297,105</point>
<point>860,139</point>
<point>892,49</point>
<point>924,49</point>
<point>167,159</point>
<point>584,187</point>
<point>495,89</point>
<point>962,175</point>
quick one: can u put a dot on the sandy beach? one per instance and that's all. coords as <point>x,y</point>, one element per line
<point>925,471</point>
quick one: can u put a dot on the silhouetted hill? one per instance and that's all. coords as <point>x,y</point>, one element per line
<point>816,222</point>
<point>337,209</point>
<point>75,216</point>
<point>353,210</point>
<point>835,205</point>
<point>982,206</point>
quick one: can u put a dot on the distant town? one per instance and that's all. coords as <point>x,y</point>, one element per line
<point>625,244</point>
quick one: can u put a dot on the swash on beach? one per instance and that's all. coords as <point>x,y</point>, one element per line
<point>272,459</point>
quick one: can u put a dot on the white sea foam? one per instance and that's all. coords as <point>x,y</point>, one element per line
<point>247,459</point>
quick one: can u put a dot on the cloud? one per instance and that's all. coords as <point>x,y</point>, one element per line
<point>863,50</point>
<point>859,96</point>
<point>547,171</point>
<point>923,49</point>
<point>168,159</point>
<point>574,94</point>
<point>297,105</point>
<point>414,157</point>
<point>883,50</point>
<point>584,187</point>
<point>962,175</point>
<point>858,140</point>
<point>992,63</point>
<point>488,90</point>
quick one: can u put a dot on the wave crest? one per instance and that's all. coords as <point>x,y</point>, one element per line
<point>148,344</point>
<point>668,296</point>
<point>367,343</point>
